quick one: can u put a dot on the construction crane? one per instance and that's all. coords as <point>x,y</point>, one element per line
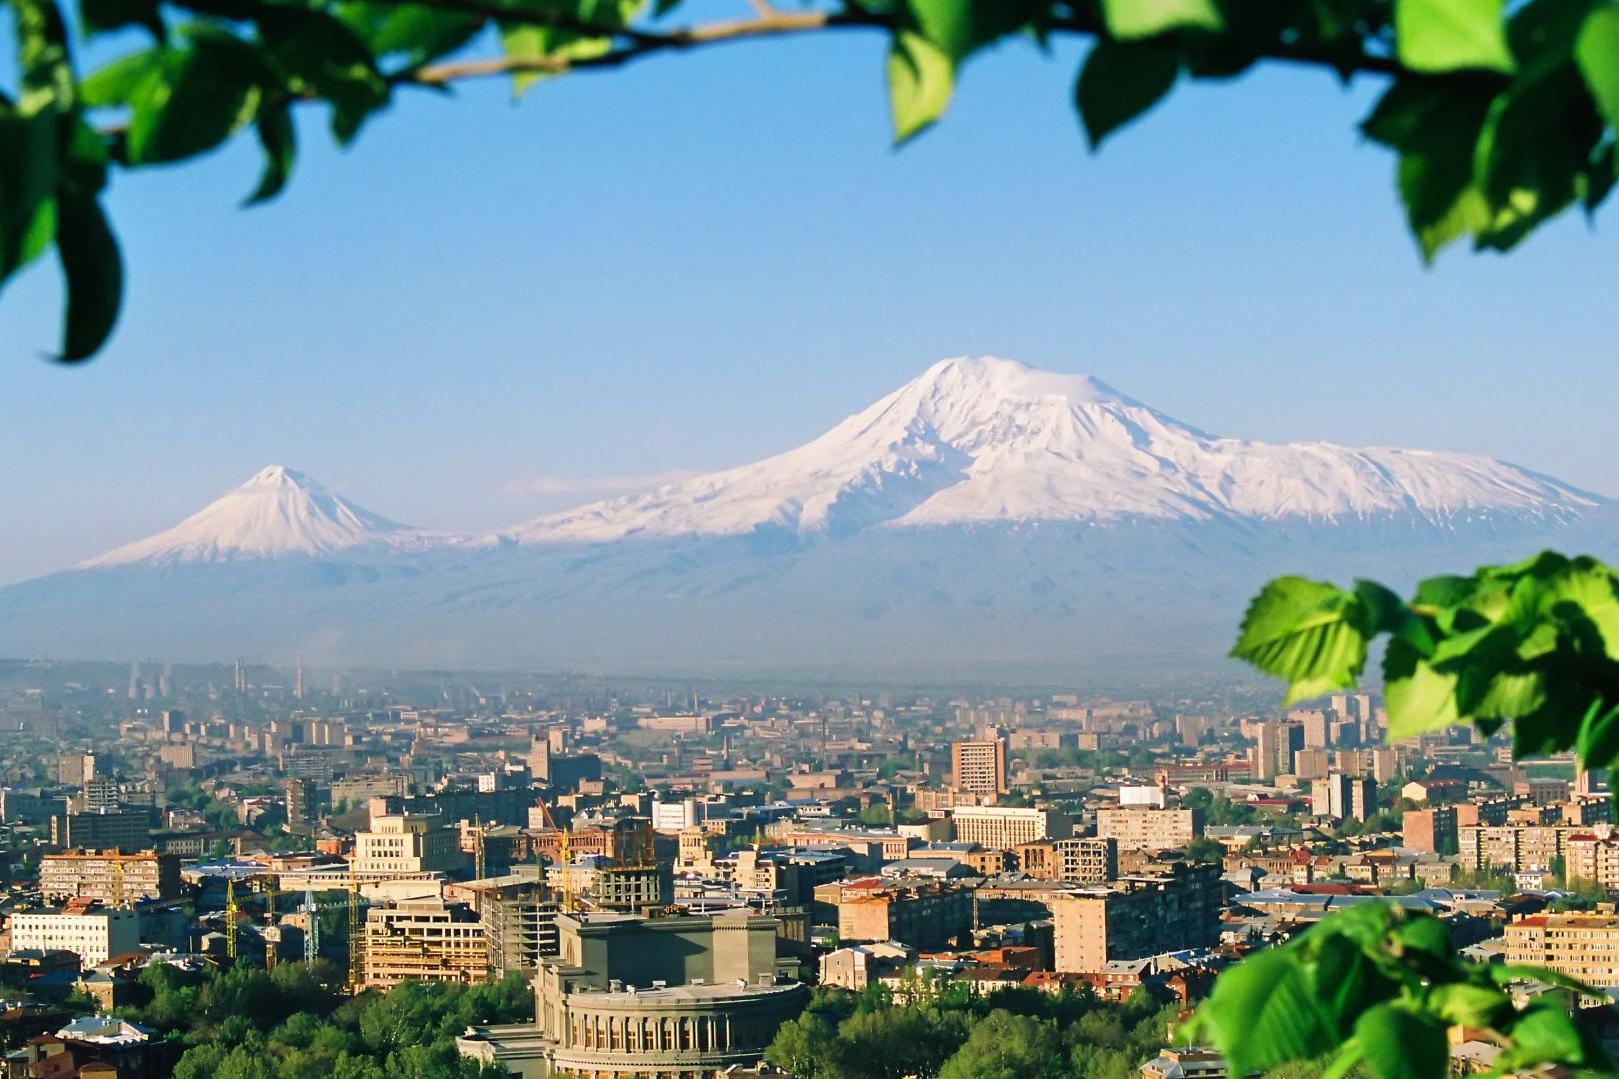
<point>356,946</point>
<point>272,941</point>
<point>570,901</point>
<point>478,854</point>
<point>230,918</point>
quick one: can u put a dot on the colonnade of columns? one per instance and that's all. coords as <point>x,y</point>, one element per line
<point>652,1033</point>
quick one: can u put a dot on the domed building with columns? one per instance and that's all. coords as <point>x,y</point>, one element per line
<point>678,997</point>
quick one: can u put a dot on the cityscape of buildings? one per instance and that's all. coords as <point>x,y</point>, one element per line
<point>672,871</point>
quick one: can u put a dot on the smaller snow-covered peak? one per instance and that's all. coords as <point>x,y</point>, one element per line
<point>278,512</point>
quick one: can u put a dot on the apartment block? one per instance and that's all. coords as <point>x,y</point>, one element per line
<point>1513,848</point>
<point>924,914</point>
<point>88,929</point>
<point>108,876</point>
<point>425,939</point>
<point>1583,946</point>
<point>1004,827</point>
<point>1149,829</point>
<point>1137,917</point>
<point>397,845</point>
<point>1079,860</point>
<point>979,767</point>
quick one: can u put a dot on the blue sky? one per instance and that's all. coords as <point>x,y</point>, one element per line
<point>706,258</point>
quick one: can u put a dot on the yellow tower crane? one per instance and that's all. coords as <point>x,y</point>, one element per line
<point>356,945</point>
<point>230,918</point>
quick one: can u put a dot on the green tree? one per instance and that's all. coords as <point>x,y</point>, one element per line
<point>1501,115</point>
<point>1007,1046</point>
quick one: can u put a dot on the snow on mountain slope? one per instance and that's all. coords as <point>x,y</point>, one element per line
<point>979,440</point>
<point>278,512</point>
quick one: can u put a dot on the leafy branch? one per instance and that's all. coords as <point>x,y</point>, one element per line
<point>1535,644</point>
<point>1377,986</point>
<point>1502,117</point>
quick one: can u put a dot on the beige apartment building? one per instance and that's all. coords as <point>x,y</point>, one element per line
<point>1137,917</point>
<point>979,767</point>
<point>1583,946</point>
<point>1004,827</point>
<point>109,876</point>
<point>398,844</point>
<point>84,927</point>
<point>426,939</point>
<point>1081,860</point>
<point>1514,848</point>
<point>1592,857</point>
<point>1149,829</point>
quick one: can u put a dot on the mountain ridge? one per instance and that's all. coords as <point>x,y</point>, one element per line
<point>985,517</point>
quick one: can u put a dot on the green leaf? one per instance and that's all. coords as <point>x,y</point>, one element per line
<point>1263,1013</point>
<point>29,155</point>
<point>1418,697</point>
<point>921,79</point>
<point>423,33</point>
<point>1132,20</point>
<point>1543,1033</point>
<point>1436,36</point>
<point>1425,935</point>
<point>961,27</point>
<point>526,41</point>
<point>1465,1004</point>
<point>194,100</point>
<point>280,142</point>
<point>93,273</point>
<point>1596,51</point>
<point>1122,80</point>
<point>98,16</point>
<point>1399,1044</point>
<point>1310,633</point>
<point>316,53</point>
<point>119,82</point>
<point>1436,125</point>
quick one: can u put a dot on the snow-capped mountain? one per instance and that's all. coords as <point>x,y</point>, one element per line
<point>986,519</point>
<point>277,513</point>
<point>978,440</point>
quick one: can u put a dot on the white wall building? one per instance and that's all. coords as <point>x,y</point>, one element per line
<point>84,927</point>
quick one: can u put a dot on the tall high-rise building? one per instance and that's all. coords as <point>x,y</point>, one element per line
<point>1339,796</point>
<point>979,767</point>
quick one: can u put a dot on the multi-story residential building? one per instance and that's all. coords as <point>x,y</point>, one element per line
<point>1593,857</point>
<point>427,939</point>
<point>113,878</point>
<point>600,883</point>
<point>300,804</point>
<point>1343,797</point>
<point>1513,848</point>
<point>1081,860</point>
<point>1583,946</point>
<point>1432,829</point>
<point>1004,827</point>
<point>979,767</point>
<point>923,914</point>
<point>677,997</point>
<point>519,914</point>
<point>1137,917</point>
<point>359,789</point>
<point>85,927</point>
<point>399,844</point>
<point>1149,829</point>
<point>124,830</point>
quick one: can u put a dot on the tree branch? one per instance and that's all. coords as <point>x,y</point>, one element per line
<point>777,23</point>
<point>769,22</point>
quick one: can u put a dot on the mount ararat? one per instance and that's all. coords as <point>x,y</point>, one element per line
<point>985,519</point>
